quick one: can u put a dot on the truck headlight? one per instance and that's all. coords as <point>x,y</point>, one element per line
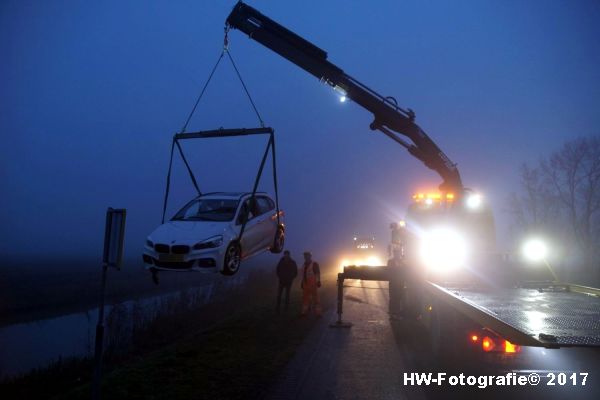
<point>443,249</point>
<point>209,243</point>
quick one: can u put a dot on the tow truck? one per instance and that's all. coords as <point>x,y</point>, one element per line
<point>461,289</point>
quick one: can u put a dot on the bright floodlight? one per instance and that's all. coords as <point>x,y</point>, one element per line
<point>343,99</point>
<point>535,250</point>
<point>474,201</point>
<point>443,249</point>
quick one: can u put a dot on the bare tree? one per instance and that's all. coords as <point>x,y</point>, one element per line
<point>561,195</point>
<point>536,208</point>
<point>573,174</point>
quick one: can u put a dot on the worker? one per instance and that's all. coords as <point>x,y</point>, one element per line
<point>397,293</point>
<point>311,282</point>
<point>287,270</point>
<point>397,243</point>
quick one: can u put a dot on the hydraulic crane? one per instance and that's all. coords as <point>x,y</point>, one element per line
<point>485,308</point>
<point>389,118</point>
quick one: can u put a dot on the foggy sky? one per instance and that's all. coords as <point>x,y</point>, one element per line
<point>92,92</point>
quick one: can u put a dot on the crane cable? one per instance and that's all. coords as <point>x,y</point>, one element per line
<point>189,118</point>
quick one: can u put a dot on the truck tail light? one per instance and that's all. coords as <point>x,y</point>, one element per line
<point>488,344</point>
<point>511,348</point>
<point>492,343</point>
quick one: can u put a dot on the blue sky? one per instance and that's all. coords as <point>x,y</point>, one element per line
<point>91,93</point>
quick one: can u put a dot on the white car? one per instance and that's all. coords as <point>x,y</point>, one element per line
<point>204,234</point>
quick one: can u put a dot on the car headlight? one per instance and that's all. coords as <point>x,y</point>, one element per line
<point>209,243</point>
<point>535,250</point>
<point>149,243</point>
<point>443,249</point>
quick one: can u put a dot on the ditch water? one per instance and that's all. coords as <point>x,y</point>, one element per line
<point>26,346</point>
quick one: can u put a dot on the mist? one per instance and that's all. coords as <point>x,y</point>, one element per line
<point>92,94</point>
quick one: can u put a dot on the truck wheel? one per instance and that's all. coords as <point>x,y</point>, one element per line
<point>279,241</point>
<point>232,260</point>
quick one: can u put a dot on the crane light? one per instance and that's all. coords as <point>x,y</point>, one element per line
<point>474,201</point>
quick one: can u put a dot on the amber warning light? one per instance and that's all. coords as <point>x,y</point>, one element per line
<point>431,197</point>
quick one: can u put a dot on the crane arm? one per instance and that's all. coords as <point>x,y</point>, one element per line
<point>388,117</point>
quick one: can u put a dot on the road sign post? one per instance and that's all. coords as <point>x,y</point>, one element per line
<point>114,234</point>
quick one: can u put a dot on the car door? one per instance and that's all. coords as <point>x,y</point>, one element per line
<point>252,232</point>
<point>268,226</point>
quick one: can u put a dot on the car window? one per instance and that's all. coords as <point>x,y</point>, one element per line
<point>249,208</point>
<point>265,205</point>
<point>219,210</point>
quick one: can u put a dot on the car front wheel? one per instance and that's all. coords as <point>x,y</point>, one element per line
<point>278,242</point>
<point>232,260</point>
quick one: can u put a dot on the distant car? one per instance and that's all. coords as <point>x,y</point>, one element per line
<point>204,234</point>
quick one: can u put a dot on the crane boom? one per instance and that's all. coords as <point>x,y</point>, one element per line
<point>388,117</point>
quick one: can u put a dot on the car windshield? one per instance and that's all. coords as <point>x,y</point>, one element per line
<point>219,210</point>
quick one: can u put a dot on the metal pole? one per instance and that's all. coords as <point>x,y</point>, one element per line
<point>340,304</point>
<point>340,296</point>
<point>99,340</point>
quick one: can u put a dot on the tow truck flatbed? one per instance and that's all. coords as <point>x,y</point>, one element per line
<point>548,315</point>
<point>563,315</point>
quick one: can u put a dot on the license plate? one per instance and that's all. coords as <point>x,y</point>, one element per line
<point>170,257</point>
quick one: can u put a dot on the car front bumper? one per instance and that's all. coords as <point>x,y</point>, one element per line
<point>206,260</point>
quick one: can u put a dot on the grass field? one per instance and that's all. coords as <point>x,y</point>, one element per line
<point>233,349</point>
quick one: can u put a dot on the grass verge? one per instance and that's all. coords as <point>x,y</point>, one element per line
<point>237,357</point>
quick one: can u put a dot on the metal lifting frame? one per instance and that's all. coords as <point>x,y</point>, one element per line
<point>220,133</point>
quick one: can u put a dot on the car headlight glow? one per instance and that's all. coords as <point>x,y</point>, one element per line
<point>209,243</point>
<point>443,249</point>
<point>535,250</point>
<point>370,261</point>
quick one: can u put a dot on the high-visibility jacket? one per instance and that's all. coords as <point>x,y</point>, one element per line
<point>311,273</point>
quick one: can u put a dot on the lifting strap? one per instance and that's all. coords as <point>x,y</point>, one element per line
<point>222,132</point>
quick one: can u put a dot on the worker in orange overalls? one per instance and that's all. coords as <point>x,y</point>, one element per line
<point>311,282</point>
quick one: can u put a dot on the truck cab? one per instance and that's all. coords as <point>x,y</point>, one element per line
<point>445,236</point>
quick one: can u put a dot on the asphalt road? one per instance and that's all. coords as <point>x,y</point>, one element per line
<point>369,360</point>
<point>361,362</point>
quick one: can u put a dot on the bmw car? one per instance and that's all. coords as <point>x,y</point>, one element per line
<point>205,234</point>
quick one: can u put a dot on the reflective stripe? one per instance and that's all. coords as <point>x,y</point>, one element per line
<point>309,271</point>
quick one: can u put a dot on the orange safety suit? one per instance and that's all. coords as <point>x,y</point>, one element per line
<point>311,281</point>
